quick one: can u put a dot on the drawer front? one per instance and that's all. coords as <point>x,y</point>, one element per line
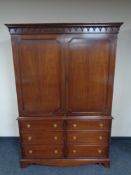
<point>43,138</point>
<point>42,151</point>
<point>87,151</point>
<point>97,137</point>
<point>41,125</point>
<point>88,124</point>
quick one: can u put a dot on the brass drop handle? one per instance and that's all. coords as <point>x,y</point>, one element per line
<point>74,125</point>
<point>30,151</point>
<point>99,151</point>
<point>55,151</point>
<point>74,151</point>
<point>29,138</point>
<point>28,125</point>
<point>74,137</point>
<point>55,125</point>
<point>101,125</point>
<point>100,137</point>
<point>55,138</point>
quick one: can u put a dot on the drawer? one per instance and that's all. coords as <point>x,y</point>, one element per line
<point>43,138</point>
<point>87,151</point>
<point>89,124</point>
<point>41,125</point>
<point>97,137</point>
<point>42,151</point>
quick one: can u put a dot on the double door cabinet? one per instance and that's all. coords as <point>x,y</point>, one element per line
<point>64,81</point>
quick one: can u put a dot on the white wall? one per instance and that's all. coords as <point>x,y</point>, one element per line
<point>27,11</point>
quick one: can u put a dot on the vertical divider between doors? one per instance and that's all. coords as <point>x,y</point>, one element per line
<point>65,149</point>
<point>66,74</point>
<point>62,76</point>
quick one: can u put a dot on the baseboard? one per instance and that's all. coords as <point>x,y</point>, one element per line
<point>9,137</point>
<point>120,138</point>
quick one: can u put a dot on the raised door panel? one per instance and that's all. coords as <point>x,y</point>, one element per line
<point>40,67</point>
<point>88,73</point>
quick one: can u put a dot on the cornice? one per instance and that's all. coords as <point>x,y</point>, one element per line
<point>41,28</point>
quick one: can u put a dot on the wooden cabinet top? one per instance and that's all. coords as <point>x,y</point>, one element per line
<point>39,28</point>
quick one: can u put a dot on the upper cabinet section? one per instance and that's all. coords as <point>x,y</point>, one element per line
<point>64,69</point>
<point>15,29</point>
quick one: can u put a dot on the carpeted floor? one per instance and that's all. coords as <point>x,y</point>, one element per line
<point>120,154</point>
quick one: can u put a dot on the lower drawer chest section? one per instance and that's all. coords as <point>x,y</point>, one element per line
<point>64,138</point>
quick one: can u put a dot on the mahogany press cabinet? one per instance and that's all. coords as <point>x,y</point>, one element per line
<point>64,79</point>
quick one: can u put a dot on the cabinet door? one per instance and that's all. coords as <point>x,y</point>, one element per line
<point>40,74</point>
<point>89,60</point>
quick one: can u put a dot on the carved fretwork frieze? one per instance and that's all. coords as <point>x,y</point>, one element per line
<point>64,28</point>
